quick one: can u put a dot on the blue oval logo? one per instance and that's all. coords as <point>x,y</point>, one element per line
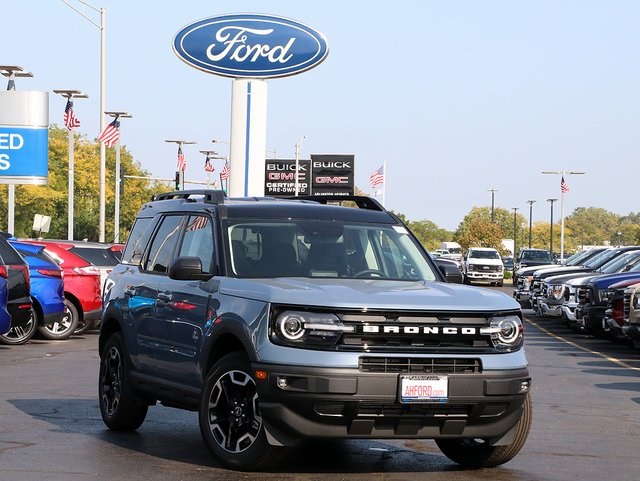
<point>250,46</point>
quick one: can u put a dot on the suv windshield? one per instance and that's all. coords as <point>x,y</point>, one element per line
<point>304,248</point>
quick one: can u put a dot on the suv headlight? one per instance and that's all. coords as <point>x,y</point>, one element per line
<point>301,327</point>
<point>506,333</point>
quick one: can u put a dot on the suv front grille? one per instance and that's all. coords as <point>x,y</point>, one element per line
<point>420,365</point>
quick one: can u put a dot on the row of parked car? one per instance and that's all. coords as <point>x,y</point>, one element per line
<point>50,287</point>
<point>595,291</point>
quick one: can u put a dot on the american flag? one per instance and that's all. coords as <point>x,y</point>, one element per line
<point>564,187</point>
<point>70,120</point>
<point>197,223</point>
<point>111,133</point>
<point>208,166</point>
<point>224,175</point>
<point>377,177</point>
<point>182,162</point>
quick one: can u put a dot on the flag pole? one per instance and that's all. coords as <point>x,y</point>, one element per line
<point>384,184</point>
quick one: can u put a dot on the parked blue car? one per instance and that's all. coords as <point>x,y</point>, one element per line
<point>50,316</point>
<point>5,317</point>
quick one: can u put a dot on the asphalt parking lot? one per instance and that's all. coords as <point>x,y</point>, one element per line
<point>586,424</point>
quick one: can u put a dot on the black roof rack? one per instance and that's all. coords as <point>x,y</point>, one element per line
<point>363,202</point>
<point>210,196</point>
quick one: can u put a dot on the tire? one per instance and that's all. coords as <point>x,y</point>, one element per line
<point>465,280</point>
<point>230,419</point>
<point>119,406</point>
<point>21,334</point>
<point>81,325</point>
<point>500,283</point>
<point>62,329</point>
<point>478,453</point>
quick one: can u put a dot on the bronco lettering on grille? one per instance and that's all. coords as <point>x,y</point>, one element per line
<point>465,331</point>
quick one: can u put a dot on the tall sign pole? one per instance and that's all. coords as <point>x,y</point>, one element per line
<point>249,48</point>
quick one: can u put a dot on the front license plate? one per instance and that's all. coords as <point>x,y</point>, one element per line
<point>424,389</point>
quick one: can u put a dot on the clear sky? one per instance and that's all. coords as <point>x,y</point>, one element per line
<point>458,96</point>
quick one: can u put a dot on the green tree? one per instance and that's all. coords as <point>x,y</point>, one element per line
<point>480,233</point>
<point>52,199</point>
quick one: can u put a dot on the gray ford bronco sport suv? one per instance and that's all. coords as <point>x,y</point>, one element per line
<point>280,320</point>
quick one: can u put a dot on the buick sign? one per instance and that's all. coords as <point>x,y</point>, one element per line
<point>250,46</point>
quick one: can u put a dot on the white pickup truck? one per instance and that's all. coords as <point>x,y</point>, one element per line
<point>483,264</point>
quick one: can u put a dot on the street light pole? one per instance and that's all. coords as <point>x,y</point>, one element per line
<point>530,202</point>
<point>116,213</point>
<point>298,146</point>
<point>180,172</point>
<point>103,102</point>
<point>551,227</point>
<point>493,194</point>
<point>69,95</point>
<point>563,190</point>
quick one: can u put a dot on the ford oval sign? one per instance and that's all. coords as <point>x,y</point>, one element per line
<point>250,46</point>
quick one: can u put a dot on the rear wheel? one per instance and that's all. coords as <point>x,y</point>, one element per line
<point>61,329</point>
<point>119,407</point>
<point>21,334</point>
<point>230,419</point>
<point>480,453</point>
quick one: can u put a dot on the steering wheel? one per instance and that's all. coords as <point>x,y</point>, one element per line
<point>370,272</point>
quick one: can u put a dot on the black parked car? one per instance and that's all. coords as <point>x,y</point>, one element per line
<point>19,302</point>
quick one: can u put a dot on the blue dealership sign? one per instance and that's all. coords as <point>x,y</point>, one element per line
<point>23,152</point>
<point>250,46</point>
<point>24,137</point>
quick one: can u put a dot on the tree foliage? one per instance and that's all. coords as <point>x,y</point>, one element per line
<point>52,199</point>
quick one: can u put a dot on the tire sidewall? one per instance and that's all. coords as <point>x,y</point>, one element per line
<point>259,453</point>
<point>129,414</point>
<point>33,325</point>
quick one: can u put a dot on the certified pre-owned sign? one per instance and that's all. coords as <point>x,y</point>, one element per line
<point>250,46</point>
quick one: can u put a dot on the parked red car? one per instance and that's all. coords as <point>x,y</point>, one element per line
<point>81,283</point>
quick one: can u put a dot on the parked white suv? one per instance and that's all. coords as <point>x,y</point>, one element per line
<point>483,264</point>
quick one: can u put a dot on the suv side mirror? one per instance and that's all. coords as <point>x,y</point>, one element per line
<point>451,273</point>
<point>188,268</point>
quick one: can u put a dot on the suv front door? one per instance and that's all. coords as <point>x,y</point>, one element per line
<point>181,308</point>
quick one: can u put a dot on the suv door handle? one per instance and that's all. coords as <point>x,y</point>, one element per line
<point>164,296</point>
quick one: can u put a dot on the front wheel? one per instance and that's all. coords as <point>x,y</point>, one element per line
<point>230,419</point>
<point>480,453</point>
<point>21,334</point>
<point>119,407</point>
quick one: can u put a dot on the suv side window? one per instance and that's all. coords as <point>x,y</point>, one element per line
<point>136,243</point>
<point>163,244</point>
<point>198,241</point>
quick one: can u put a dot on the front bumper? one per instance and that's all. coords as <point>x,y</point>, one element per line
<point>523,298</point>
<point>549,310</point>
<point>310,402</point>
<point>485,276</point>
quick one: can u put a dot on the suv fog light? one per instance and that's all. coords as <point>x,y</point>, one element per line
<point>282,382</point>
<point>525,386</point>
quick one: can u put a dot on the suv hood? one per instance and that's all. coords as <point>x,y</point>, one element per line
<point>369,293</point>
